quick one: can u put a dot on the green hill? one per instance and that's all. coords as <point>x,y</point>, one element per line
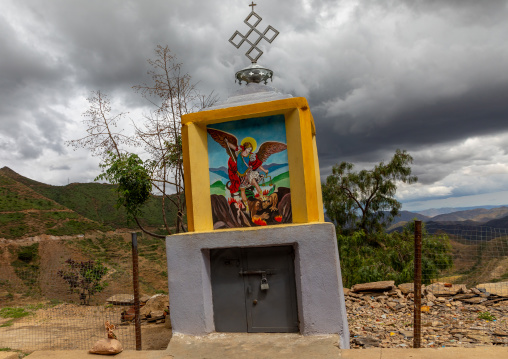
<point>95,201</point>
<point>24,212</point>
<point>218,188</point>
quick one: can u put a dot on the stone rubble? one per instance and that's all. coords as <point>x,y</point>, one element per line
<point>154,309</point>
<point>450,316</point>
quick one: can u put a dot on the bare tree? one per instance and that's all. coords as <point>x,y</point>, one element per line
<point>103,135</point>
<point>173,94</point>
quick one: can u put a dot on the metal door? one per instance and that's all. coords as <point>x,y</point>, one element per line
<point>240,304</point>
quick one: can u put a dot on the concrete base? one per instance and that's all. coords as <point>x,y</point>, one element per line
<point>320,297</point>
<point>248,346</point>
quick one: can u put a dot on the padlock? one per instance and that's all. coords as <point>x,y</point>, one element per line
<point>264,283</point>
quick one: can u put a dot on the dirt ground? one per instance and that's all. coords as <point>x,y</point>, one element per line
<point>71,326</point>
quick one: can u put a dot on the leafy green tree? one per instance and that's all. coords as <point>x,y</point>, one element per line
<point>358,200</point>
<point>84,278</point>
<point>134,185</point>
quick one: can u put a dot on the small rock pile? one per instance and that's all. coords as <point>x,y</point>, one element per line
<point>381,315</point>
<point>153,309</point>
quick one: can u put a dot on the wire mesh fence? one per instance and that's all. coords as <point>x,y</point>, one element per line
<point>57,308</point>
<point>478,256</point>
<point>464,287</point>
<point>50,301</point>
<point>61,304</point>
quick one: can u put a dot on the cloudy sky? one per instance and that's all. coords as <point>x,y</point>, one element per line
<point>427,76</point>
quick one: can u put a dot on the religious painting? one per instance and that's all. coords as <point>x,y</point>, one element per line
<point>249,173</point>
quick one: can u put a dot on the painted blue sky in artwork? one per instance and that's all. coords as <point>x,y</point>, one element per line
<point>262,129</point>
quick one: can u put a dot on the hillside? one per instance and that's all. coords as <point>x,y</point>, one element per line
<point>24,212</point>
<point>95,201</point>
<point>29,270</point>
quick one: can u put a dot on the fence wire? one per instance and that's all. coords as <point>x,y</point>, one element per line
<point>39,312</point>
<point>478,257</point>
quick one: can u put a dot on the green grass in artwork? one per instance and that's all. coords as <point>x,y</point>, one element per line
<point>281,180</point>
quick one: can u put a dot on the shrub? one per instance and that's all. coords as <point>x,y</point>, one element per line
<point>84,278</point>
<point>392,258</point>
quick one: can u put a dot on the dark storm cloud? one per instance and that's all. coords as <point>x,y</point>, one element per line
<point>481,111</point>
<point>421,75</point>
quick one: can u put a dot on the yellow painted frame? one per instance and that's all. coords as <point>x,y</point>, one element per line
<point>304,176</point>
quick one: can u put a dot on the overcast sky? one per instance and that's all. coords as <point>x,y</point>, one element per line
<point>427,76</point>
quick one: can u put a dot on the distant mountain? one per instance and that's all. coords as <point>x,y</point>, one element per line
<point>470,230</point>
<point>405,216</point>
<point>477,215</point>
<point>274,166</point>
<point>432,212</point>
<point>221,171</point>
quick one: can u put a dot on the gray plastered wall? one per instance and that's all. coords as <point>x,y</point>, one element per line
<point>320,295</point>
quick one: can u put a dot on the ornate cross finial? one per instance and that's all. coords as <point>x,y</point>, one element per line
<point>250,36</point>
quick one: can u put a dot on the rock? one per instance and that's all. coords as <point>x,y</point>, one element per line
<point>499,341</point>
<point>464,296</point>
<point>475,300</point>
<point>499,288</point>
<point>406,288</point>
<point>475,291</point>
<point>121,299</point>
<point>374,286</point>
<point>480,338</point>
<point>106,346</point>
<point>346,291</point>
<point>431,297</point>
<point>392,305</point>
<point>407,333</point>
<point>500,333</point>
<point>144,299</point>
<point>158,302</point>
<point>157,314</point>
<point>441,289</point>
<point>457,331</point>
<point>367,342</point>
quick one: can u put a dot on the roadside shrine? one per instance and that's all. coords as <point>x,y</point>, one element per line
<point>258,257</point>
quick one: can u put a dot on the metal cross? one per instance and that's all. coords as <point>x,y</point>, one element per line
<point>250,36</point>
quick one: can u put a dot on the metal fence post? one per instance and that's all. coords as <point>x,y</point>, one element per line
<point>417,286</point>
<point>135,279</point>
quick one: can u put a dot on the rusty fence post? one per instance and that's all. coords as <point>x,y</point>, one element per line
<point>417,321</point>
<point>135,280</point>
